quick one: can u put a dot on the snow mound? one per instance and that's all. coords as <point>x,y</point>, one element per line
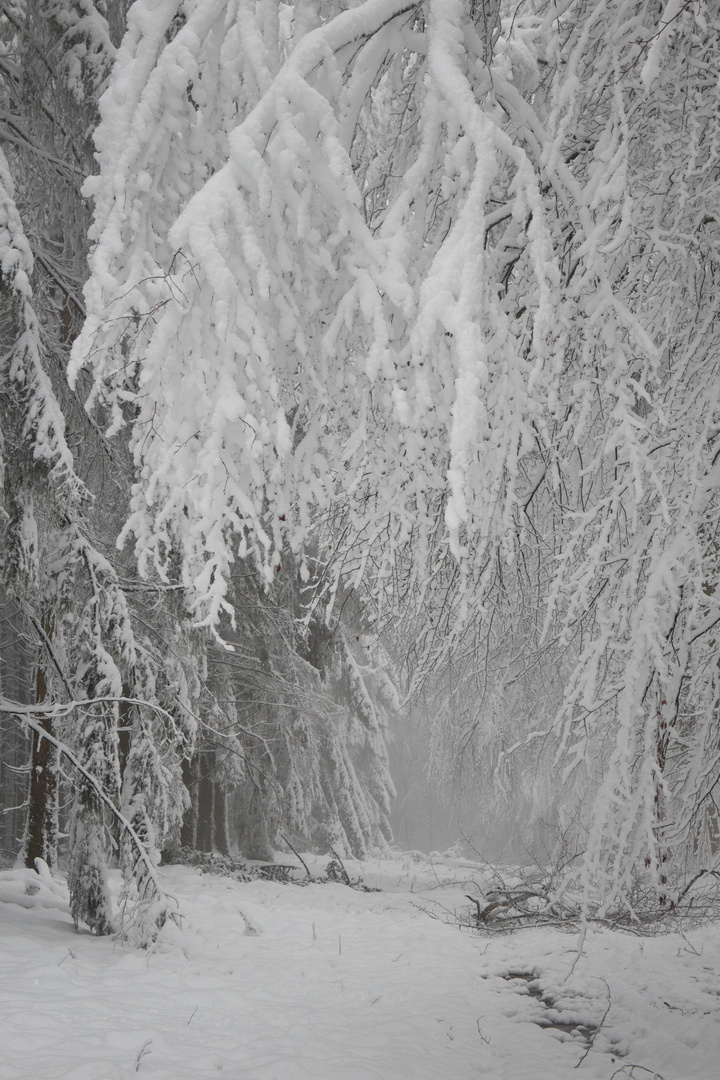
<point>33,888</point>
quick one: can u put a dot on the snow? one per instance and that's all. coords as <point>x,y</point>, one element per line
<point>272,981</point>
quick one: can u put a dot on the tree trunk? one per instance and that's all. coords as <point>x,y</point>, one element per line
<point>188,830</point>
<point>41,832</point>
<point>220,820</point>
<point>204,840</point>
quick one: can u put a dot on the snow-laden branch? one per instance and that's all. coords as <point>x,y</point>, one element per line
<point>433,301</point>
<point>42,422</point>
<point>26,715</point>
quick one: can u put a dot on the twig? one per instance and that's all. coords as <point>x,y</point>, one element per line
<point>592,1038</point>
<point>477,905</point>
<point>296,853</point>
<point>581,945</point>
<point>689,943</point>
<point>141,1054</point>
<point>651,1072</point>
<point>341,864</point>
<point>690,884</point>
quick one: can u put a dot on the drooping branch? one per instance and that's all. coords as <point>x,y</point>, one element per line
<point>467,348</point>
<point>25,714</point>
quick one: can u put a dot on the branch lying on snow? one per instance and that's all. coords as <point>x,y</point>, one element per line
<point>336,868</point>
<point>493,911</point>
<point>509,898</point>
<point>298,855</point>
<point>593,1036</point>
<point>647,1074</point>
<point>25,714</point>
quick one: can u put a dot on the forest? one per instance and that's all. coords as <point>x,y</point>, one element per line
<point>359,398</point>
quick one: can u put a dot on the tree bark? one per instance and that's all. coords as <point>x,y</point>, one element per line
<point>220,820</point>
<point>188,830</point>
<point>204,840</point>
<point>42,817</point>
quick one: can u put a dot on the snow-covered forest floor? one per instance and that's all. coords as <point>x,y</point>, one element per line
<point>271,981</point>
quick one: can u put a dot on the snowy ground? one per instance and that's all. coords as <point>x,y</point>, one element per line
<point>276,982</point>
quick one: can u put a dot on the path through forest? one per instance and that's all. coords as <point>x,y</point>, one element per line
<point>268,981</point>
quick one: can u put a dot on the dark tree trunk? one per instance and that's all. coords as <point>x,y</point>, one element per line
<point>41,835</point>
<point>188,832</point>
<point>205,825</point>
<point>204,841</point>
<point>220,821</point>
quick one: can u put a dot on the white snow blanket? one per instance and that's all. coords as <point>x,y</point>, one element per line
<point>268,981</point>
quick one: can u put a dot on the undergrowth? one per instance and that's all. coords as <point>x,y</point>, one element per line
<point>242,870</point>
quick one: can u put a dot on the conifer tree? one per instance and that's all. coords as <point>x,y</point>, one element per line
<point>430,286</point>
<point>125,678</point>
<point>68,594</point>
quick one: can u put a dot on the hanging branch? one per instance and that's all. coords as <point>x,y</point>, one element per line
<point>24,715</point>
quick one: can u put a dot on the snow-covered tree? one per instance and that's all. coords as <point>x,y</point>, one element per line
<point>293,737</point>
<point>123,678</point>
<point>429,288</point>
<point>92,659</point>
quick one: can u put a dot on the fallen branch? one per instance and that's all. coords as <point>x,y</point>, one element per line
<point>631,1075</point>
<point>592,1038</point>
<point>296,854</point>
<point>341,864</point>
